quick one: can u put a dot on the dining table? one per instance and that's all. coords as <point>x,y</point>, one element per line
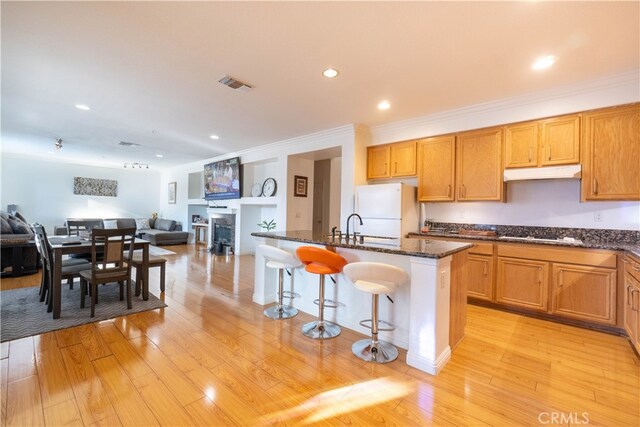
<point>68,245</point>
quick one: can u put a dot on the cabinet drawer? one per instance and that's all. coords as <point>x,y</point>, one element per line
<point>481,248</point>
<point>632,267</point>
<point>593,257</point>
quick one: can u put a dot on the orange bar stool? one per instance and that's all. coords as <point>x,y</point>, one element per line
<point>375,278</point>
<point>280,260</point>
<point>322,262</point>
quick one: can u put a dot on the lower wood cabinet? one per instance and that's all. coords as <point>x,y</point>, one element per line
<point>632,301</point>
<point>480,281</point>
<point>584,293</point>
<point>523,283</point>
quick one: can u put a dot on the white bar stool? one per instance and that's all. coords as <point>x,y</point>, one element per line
<point>280,260</point>
<point>375,278</point>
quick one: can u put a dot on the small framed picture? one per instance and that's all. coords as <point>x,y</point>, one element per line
<point>172,193</point>
<point>300,186</point>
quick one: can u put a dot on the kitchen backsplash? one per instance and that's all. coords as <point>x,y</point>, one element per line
<point>585,234</point>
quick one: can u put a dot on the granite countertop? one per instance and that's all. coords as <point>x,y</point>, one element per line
<point>633,248</point>
<point>423,248</point>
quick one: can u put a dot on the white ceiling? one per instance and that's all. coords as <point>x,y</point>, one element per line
<point>149,70</point>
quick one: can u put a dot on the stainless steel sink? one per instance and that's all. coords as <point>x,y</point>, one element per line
<point>537,239</point>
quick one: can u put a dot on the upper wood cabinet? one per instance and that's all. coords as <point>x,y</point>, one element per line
<point>559,141</point>
<point>378,161</point>
<point>479,165</point>
<point>391,160</point>
<point>403,159</point>
<point>547,142</point>
<point>436,169</point>
<point>611,154</point>
<point>521,145</point>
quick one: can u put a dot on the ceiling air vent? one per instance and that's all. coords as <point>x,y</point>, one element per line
<point>128,144</point>
<point>234,84</point>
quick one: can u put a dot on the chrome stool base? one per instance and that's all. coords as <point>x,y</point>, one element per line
<point>284,312</point>
<point>382,352</point>
<point>321,332</point>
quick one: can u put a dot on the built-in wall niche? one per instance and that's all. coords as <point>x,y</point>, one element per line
<point>257,173</point>
<point>196,188</point>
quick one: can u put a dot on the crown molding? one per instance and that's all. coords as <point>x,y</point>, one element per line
<point>627,83</point>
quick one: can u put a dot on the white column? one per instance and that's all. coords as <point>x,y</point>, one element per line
<point>429,347</point>
<point>264,291</point>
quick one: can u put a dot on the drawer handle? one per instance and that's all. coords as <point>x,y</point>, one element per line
<point>560,279</point>
<point>633,300</point>
<point>595,186</point>
<point>549,150</point>
<point>636,268</point>
<point>449,190</point>
<point>484,263</point>
<point>395,167</point>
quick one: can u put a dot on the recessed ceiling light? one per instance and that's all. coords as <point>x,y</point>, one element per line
<point>330,73</point>
<point>384,105</point>
<point>83,107</point>
<point>159,156</point>
<point>214,137</point>
<point>543,62</point>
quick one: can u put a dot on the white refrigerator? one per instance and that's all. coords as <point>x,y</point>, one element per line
<point>387,210</point>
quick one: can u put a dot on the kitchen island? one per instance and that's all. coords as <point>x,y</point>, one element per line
<point>420,310</point>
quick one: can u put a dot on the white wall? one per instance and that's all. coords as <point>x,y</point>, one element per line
<point>540,203</point>
<point>335,192</point>
<point>300,209</point>
<point>43,191</point>
<point>545,203</point>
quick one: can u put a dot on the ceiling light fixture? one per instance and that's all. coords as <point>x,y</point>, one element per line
<point>384,105</point>
<point>83,107</point>
<point>58,143</point>
<point>159,156</point>
<point>136,165</point>
<point>330,73</point>
<point>214,137</point>
<point>543,62</point>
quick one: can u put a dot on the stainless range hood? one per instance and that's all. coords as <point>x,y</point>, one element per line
<point>549,172</point>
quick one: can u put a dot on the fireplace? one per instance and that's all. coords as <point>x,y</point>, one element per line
<point>223,233</point>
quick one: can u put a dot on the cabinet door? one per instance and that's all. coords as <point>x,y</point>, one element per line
<point>631,309</point>
<point>480,277</point>
<point>403,159</point>
<point>378,159</point>
<point>436,166</point>
<point>585,293</point>
<point>560,141</point>
<point>523,283</point>
<point>479,165</point>
<point>611,154</point>
<point>521,145</point>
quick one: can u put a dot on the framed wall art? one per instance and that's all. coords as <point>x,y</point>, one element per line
<point>172,193</point>
<point>300,186</point>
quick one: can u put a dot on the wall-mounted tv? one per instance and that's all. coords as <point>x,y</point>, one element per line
<point>222,179</point>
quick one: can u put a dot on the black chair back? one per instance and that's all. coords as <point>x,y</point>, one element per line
<point>75,226</point>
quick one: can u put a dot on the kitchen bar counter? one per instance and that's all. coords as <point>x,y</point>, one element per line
<point>411,247</point>
<point>421,310</point>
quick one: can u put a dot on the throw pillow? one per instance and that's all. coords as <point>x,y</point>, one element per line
<point>110,224</point>
<point>165,224</point>
<point>142,224</point>
<point>6,228</point>
<point>21,218</point>
<point>19,227</point>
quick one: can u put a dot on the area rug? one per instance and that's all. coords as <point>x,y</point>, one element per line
<point>23,315</point>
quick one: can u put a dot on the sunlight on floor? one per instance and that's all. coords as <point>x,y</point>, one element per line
<point>346,399</point>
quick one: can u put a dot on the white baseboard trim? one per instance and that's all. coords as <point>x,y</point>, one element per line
<point>427,365</point>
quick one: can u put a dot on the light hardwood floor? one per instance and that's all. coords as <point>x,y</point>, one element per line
<point>212,358</point>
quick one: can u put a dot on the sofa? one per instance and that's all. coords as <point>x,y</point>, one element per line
<point>157,231</point>
<point>19,254</point>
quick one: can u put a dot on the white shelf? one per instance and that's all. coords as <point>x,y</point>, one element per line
<point>265,201</point>
<point>200,202</point>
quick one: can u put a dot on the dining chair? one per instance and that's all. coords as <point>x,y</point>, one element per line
<point>116,247</point>
<point>75,226</point>
<point>70,267</point>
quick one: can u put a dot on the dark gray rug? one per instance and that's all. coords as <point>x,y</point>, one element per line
<point>23,315</point>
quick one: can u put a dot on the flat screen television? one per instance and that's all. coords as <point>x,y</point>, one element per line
<point>222,179</point>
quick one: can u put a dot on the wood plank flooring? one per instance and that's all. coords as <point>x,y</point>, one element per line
<point>212,358</point>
